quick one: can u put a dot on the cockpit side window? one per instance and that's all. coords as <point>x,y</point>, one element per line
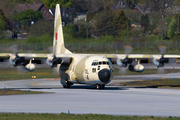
<point>98,67</point>
<point>100,63</point>
<point>93,70</point>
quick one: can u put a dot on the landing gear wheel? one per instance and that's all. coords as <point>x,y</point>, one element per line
<point>67,85</point>
<point>100,87</point>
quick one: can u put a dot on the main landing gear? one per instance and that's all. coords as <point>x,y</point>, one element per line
<point>65,83</point>
<point>100,87</point>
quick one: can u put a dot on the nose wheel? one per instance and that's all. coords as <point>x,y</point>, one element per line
<point>100,87</point>
<point>67,85</point>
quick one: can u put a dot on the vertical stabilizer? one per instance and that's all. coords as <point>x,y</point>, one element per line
<point>58,42</point>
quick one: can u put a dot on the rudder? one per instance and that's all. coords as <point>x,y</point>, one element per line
<point>58,41</point>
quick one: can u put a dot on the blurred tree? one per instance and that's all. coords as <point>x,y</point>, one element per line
<point>8,4</point>
<point>177,18</point>
<point>102,23</point>
<point>27,15</point>
<point>161,7</point>
<point>52,3</point>
<point>12,16</point>
<point>80,5</point>
<point>145,21</point>
<point>3,24</point>
<point>131,3</point>
<point>172,28</point>
<point>133,15</point>
<point>177,2</point>
<point>42,27</point>
<point>90,15</point>
<point>30,14</point>
<point>121,22</point>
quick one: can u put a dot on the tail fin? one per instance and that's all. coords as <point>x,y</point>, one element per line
<point>58,42</point>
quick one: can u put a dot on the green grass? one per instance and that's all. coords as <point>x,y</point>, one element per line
<point>17,92</point>
<point>146,71</point>
<point>164,83</point>
<point>12,74</point>
<point>63,116</point>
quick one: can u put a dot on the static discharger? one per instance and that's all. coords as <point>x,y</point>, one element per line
<point>34,77</point>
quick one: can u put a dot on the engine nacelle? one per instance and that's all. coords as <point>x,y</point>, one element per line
<point>52,61</point>
<point>123,62</point>
<point>14,60</point>
<point>120,63</point>
<point>136,68</point>
<point>157,63</point>
<point>30,67</point>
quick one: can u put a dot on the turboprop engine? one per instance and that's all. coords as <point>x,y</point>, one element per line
<point>159,62</point>
<point>52,61</point>
<point>123,62</point>
<point>15,60</point>
<point>136,68</point>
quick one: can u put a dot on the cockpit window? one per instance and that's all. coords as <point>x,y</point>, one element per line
<point>100,63</point>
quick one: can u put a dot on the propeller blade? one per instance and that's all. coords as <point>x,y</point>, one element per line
<point>123,71</point>
<point>21,69</point>
<point>127,50</point>
<point>14,48</point>
<point>162,49</point>
<point>52,49</point>
<point>161,70</point>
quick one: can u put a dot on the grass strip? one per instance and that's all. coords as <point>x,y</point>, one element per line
<point>164,83</point>
<point>63,116</point>
<point>12,74</point>
<point>17,92</point>
<point>146,71</point>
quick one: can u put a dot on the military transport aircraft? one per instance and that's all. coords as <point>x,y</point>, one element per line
<point>92,69</point>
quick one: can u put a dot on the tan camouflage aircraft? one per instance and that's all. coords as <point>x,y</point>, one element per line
<point>92,69</point>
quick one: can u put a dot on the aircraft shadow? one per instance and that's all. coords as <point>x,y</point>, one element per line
<point>75,87</point>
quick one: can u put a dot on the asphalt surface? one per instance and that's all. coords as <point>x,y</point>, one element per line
<point>82,99</point>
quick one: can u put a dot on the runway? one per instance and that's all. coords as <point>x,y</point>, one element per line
<point>81,99</point>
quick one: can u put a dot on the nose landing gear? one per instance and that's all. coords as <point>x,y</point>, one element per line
<point>100,87</point>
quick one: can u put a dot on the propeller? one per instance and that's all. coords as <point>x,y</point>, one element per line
<point>162,51</point>
<point>123,71</point>
<point>14,48</point>
<point>127,51</point>
<point>161,70</point>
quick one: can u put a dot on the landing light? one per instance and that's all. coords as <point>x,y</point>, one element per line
<point>34,77</point>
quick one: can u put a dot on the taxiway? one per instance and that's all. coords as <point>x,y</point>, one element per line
<point>80,99</point>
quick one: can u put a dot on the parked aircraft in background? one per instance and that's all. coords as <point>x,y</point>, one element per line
<point>92,69</point>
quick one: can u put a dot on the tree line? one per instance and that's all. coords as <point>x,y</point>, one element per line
<point>102,19</point>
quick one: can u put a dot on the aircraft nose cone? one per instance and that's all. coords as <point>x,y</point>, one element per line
<point>104,75</point>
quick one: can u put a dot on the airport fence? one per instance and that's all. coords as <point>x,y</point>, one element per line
<point>93,46</point>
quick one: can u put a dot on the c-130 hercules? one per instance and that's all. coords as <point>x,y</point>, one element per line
<point>92,69</point>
